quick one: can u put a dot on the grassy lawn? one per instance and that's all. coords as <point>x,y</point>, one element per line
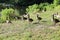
<point>23,30</point>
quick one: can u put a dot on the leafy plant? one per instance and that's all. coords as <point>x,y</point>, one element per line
<point>32,9</point>
<point>50,7</point>
<point>57,7</point>
<point>42,5</point>
<point>56,2</point>
<point>7,14</point>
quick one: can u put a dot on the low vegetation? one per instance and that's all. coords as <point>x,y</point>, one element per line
<point>25,30</point>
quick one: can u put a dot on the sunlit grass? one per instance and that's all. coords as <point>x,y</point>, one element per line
<point>23,30</point>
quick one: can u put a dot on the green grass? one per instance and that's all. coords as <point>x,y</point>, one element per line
<point>23,30</point>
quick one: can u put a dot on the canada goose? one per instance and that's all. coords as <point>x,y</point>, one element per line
<point>8,21</point>
<point>24,17</point>
<point>38,18</point>
<point>17,17</point>
<point>29,19</point>
<point>57,15</point>
<point>54,19</point>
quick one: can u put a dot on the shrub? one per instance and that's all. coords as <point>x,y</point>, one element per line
<point>57,7</point>
<point>42,5</point>
<point>7,14</point>
<point>32,9</point>
<point>56,2</point>
<point>50,7</point>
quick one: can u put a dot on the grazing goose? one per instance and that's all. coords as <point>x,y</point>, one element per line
<point>54,19</point>
<point>30,19</point>
<point>38,18</point>
<point>24,17</point>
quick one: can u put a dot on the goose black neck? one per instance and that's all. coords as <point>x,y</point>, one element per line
<point>37,15</point>
<point>53,17</point>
